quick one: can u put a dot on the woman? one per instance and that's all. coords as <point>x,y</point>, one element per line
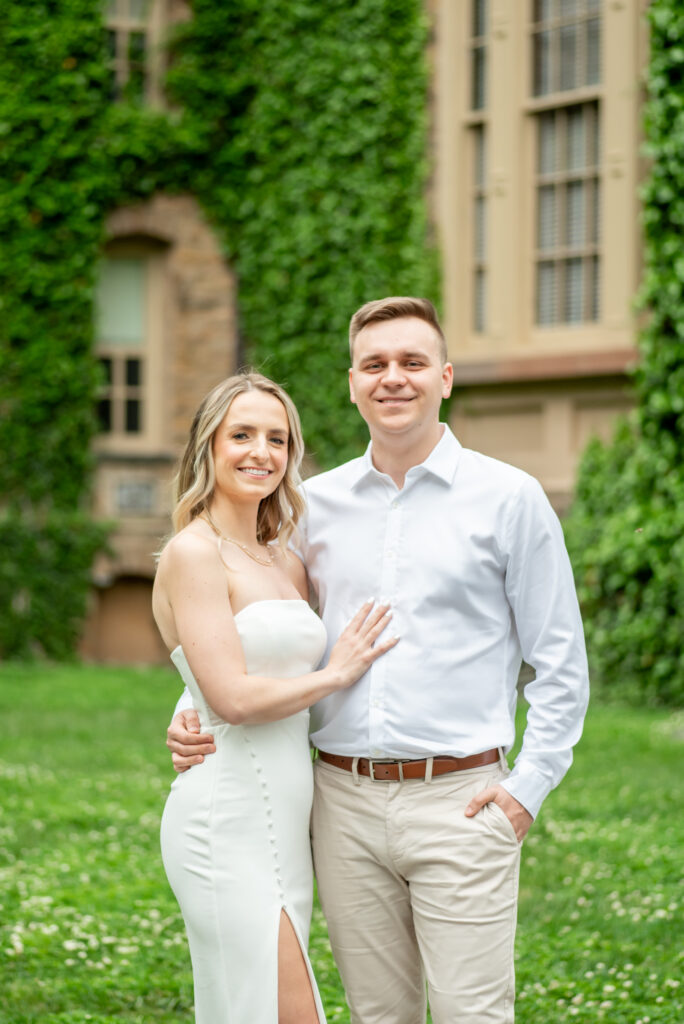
<point>231,607</point>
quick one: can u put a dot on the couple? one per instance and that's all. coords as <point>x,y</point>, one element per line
<point>417,822</point>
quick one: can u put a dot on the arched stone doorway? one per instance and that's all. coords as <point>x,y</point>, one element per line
<point>121,629</point>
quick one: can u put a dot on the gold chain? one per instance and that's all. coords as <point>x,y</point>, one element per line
<point>231,540</point>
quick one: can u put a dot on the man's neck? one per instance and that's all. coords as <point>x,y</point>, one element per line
<point>394,455</point>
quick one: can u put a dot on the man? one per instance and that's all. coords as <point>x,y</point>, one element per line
<point>417,821</point>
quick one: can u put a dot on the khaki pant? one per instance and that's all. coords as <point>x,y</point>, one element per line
<point>415,892</point>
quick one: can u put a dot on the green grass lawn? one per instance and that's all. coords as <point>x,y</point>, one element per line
<point>89,930</point>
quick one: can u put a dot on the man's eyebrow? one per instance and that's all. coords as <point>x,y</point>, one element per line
<point>408,354</point>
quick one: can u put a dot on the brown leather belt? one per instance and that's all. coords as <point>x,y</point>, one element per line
<point>397,771</point>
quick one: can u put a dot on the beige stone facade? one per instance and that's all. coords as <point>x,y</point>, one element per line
<point>510,209</point>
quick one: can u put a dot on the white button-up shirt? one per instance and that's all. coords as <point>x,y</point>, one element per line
<point>471,557</point>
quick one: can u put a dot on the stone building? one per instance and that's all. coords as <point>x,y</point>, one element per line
<point>535,144</point>
<point>537,135</point>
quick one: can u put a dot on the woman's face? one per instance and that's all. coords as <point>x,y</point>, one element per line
<point>251,447</point>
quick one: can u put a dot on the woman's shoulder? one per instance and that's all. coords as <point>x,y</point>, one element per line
<point>189,548</point>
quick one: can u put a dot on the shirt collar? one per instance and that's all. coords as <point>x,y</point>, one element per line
<point>441,463</point>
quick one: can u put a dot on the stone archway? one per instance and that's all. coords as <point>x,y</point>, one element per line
<point>121,627</point>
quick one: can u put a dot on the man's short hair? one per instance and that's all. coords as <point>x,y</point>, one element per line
<point>394,308</point>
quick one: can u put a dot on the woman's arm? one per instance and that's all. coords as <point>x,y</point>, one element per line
<point>197,592</point>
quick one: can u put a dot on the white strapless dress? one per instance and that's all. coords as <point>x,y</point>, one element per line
<point>235,829</point>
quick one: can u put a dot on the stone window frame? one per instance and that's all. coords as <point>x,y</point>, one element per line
<point>567,260</point>
<point>149,355</point>
<point>512,337</point>
<point>137,23</point>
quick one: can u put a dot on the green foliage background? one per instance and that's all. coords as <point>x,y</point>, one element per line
<point>626,528</point>
<point>300,127</point>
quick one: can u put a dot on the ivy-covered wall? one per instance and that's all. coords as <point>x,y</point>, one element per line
<point>314,121</point>
<point>300,128</point>
<point>52,104</point>
<point>626,528</point>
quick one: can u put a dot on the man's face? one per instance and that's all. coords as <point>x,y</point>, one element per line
<point>397,379</point>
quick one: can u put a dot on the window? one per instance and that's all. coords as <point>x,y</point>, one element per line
<point>121,333</point>
<point>478,156</point>
<point>134,35</point>
<point>566,45</point>
<point>568,215</point>
<point>566,48</point>
<point>479,140</point>
<point>478,55</point>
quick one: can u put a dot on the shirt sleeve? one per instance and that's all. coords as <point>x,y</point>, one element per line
<point>541,592</point>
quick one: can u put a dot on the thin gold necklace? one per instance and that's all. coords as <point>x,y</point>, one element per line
<point>231,540</point>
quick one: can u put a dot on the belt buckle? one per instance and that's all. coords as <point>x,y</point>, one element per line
<point>371,769</point>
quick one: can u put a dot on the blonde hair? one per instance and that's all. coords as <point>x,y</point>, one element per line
<point>393,308</point>
<point>194,483</point>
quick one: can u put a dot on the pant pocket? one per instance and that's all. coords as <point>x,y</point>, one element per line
<point>498,815</point>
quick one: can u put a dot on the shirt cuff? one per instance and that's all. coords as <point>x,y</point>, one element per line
<point>529,787</point>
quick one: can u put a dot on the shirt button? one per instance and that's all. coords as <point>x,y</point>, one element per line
<point>395,504</point>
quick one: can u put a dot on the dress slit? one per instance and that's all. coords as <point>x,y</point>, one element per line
<point>307,964</point>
